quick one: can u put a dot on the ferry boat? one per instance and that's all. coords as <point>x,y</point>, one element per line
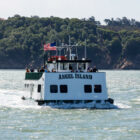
<point>68,80</point>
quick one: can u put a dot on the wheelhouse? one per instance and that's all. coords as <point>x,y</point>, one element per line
<point>68,65</point>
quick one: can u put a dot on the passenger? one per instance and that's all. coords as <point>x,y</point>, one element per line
<point>31,68</point>
<point>53,70</point>
<point>27,70</point>
<point>95,69</point>
<point>46,69</point>
<point>42,69</point>
<point>91,70</point>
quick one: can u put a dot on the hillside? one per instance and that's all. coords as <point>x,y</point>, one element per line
<point>115,45</point>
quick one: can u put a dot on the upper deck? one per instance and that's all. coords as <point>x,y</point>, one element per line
<point>61,66</point>
<point>64,65</point>
<point>65,60</point>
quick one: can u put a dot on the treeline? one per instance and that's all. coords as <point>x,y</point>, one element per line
<point>116,45</point>
<point>122,22</point>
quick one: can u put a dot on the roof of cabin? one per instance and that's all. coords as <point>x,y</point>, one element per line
<point>71,61</point>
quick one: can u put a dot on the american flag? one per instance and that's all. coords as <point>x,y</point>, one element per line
<point>50,47</point>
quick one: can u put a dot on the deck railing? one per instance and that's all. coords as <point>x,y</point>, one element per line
<point>33,75</point>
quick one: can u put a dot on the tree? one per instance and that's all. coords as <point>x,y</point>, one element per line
<point>115,47</point>
<point>132,47</point>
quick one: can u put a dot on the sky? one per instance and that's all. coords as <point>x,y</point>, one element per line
<point>100,9</point>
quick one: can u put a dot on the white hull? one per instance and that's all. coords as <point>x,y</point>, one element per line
<point>75,96</point>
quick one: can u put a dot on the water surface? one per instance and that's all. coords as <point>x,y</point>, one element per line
<point>26,120</point>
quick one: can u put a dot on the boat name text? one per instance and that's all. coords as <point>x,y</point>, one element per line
<point>76,76</point>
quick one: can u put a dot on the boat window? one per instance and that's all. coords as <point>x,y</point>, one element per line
<point>97,88</point>
<point>39,88</point>
<point>98,101</point>
<point>53,88</point>
<point>88,88</point>
<point>81,66</point>
<point>52,66</point>
<point>72,66</point>
<point>63,88</point>
<point>64,66</point>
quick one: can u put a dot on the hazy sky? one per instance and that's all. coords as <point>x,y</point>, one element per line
<point>100,9</point>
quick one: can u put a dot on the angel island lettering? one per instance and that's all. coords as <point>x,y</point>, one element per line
<point>75,76</point>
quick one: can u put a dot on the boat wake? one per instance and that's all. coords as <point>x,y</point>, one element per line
<point>122,105</point>
<point>82,106</point>
<point>12,99</point>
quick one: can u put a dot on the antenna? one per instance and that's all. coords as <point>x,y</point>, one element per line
<point>69,48</point>
<point>69,41</point>
<point>76,51</point>
<point>85,49</point>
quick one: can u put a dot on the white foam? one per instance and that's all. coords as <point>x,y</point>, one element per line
<point>122,105</point>
<point>91,105</point>
<point>12,99</point>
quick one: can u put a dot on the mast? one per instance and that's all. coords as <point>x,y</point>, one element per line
<point>69,48</point>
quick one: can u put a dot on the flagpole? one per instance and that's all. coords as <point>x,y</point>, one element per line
<point>44,59</point>
<point>42,44</point>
